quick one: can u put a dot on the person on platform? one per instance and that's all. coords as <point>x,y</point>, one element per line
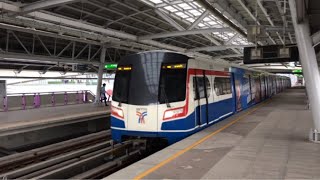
<point>103,94</point>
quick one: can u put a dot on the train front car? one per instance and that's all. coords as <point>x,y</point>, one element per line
<point>149,89</point>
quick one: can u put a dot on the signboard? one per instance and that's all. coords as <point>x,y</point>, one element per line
<point>297,71</point>
<point>82,67</point>
<point>111,66</point>
<point>270,54</point>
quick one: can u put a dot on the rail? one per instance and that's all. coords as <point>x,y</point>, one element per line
<point>23,101</point>
<point>88,157</point>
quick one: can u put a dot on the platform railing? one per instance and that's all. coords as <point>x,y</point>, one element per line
<point>23,101</point>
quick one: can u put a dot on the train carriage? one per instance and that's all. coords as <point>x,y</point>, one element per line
<point>160,94</point>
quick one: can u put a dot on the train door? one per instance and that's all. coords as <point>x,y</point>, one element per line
<point>250,88</point>
<point>253,89</point>
<point>206,95</point>
<point>258,89</point>
<point>200,84</point>
<point>266,85</point>
<point>273,86</point>
<point>269,86</point>
<point>277,85</point>
<point>196,101</point>
<point>262,88</point>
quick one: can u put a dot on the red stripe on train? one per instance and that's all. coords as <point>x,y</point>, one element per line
<point>185,107</point>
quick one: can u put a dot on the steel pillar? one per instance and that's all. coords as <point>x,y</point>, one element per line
<point>100,74</point>
<point>310,68</point>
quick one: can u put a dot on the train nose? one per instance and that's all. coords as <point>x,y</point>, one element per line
<point>142,118</point>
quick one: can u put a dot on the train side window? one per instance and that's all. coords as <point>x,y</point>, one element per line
<point>200,83</point>
<point>195,92</point>
<point>200,87</point>
<point>217,86</point>
<point>222,86</point>
<point>208,86</point>
<point>228,85</point>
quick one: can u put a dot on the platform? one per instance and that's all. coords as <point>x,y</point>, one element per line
<point>269,140</point>
<point>14,122</point>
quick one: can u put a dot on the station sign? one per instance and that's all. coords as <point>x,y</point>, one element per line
<point>297,71</point>
<point>111,66</point>
<point>270,54</point>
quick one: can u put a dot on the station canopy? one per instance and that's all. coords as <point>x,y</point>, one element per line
<point>58,35</point>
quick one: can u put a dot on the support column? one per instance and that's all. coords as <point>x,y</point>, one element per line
<point>310,68</point>
<point>100,74</point>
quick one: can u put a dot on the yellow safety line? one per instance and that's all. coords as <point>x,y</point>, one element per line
<point>174,156</point>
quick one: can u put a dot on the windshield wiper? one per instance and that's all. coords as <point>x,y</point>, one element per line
<point>164,94</point>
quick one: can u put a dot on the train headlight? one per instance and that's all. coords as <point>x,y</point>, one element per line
<point>173,113</point>
<point>117,112</point>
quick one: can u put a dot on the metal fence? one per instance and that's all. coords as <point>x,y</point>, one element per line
<point>22,101</point>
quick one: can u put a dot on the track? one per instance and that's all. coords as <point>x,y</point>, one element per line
<point>87,157</point>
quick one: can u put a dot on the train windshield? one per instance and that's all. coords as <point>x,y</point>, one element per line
<point>172,83</point>
<point>121,88</point>
<point>140,84</point>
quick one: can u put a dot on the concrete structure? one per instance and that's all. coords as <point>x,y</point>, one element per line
<point>268,141</point>
<point>13,122</point>
<point>28,127</point>
<point>309,64</point>
<point>100,74</point>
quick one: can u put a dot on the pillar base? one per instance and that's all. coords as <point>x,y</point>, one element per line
<point>314,136</point>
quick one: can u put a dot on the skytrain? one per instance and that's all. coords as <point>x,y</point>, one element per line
<point>168,95</point>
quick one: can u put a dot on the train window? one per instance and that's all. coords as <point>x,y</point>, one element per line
<point>208,87</point>
<point>121,86</point>
<point>173,79</point>
<point>222,86</point>
<point>200,83</point>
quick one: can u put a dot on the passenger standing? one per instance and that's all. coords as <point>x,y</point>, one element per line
<point>103,94</point>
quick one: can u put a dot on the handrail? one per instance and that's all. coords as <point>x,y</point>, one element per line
<point>81,97</point>
<point>56,92</point>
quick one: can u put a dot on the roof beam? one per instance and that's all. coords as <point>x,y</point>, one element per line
<point>198,20</point>
<point>80,25</point>
<point>64,22</point>
<point>228,56</point>
<point>180,28</point>
<point>169,20</point>
<point>232,38</point>
<point>38,58</point>
<point>290,37</point>
<point>218,48</point>
<point>115,36</point>
<point>269,19</point>
<point>315,38</point>
<point>230,12</point>
<point>216,13</point>
<point>244,6</point>
<point>44,4</point>
<point>9,7</point>
<point>223,6</point>
<point>185,32</point>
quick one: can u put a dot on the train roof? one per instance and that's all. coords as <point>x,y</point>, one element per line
<point>212,60</point>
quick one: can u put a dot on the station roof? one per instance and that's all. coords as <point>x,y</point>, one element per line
<point>54,34</point>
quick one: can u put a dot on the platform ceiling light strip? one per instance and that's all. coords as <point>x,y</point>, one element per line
<point>189,11</point>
